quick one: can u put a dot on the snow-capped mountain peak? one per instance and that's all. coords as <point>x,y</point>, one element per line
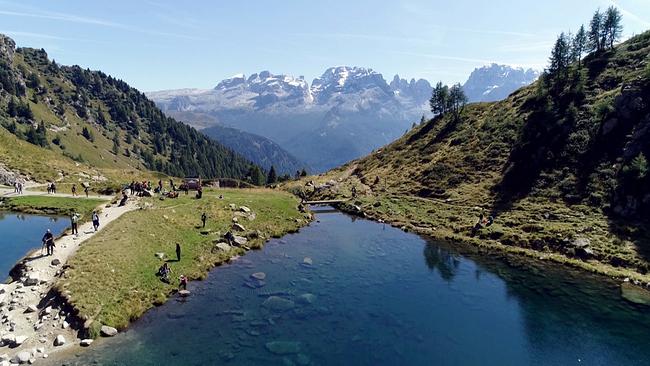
<point>495,82</point>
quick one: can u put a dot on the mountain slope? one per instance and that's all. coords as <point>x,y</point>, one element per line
<point>495,82</point>
<point>100,122</point>
<point>562,172</point>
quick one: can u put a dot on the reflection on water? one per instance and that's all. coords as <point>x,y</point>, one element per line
<point>348,291</point>
<point>19,233</point>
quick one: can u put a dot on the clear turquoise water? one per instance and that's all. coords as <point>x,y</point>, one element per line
<point>385,297</point>
<point>19,233</point>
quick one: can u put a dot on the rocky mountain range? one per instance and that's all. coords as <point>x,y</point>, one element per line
<point>345,113</point>
<point>495,82</point>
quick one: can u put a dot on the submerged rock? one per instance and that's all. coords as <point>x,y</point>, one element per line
<point>283,347</point>
<point>307,261</point>
<point>306,299</point>
<point>635,294</point>
<point>258,275</point>
<point>278,304</point>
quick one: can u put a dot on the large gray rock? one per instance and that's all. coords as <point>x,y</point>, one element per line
<point>259,275</point>
<point>278,304</point>
<point>86,342</point>
<point>20,340</point>
<point>31,309</point>
<point>238,227</point>
<point>21,357</point>
<point>240,240</point>
<point>244,209</point>
<point>32,280</point>
<point>59,340</point>
<point>223,247</point>
<point>283,347</point>
<point>107,331</point>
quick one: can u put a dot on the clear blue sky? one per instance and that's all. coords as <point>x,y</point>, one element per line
<point>160,44</point>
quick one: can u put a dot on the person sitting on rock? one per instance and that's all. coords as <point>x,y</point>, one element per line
<point>230,238</point>
<point>124,199</point>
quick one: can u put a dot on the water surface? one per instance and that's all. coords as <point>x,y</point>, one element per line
<point>375,295</point>
<point>20,233</point>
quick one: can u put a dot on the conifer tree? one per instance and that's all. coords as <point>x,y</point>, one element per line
<point>456,100</point>
<point>579,45</point>
<point>611,27</point>
<point>272,177</point>
<point>596,31</point>
<point>439,99</point>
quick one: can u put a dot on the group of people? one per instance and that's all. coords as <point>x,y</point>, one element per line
<point>74,190</point>
<point>138,188</point>
<point>164,272</point>
<point>18,187</point>
<point>481,223</point>
<point>48,238</point>
<point>51,188</point>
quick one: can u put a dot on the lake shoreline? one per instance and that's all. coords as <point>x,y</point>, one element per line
<point>487,246</point>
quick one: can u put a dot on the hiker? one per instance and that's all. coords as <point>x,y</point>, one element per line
<point>160,186</point>
<point>49,188</point>
<point>16,187</point>
<point>354,191</point>
<point>199,193</point>
<point>53,188</point>
<point>183,283</point>
<point>74,190</point>
<point>203,218</point>
<point>75,223</point>
<point>95,220</point>
<point>124,199</point>
<point>230,238</point>
<point>48,242</point>
<point>86,188</point>
<point>20,188</point>
<point>171,185</point>
<point>479,224</point>
<point>178,252</point>
<point>186,188</point>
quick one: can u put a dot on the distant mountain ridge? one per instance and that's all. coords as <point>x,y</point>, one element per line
<point>494,82</point>
<point>342,115</point>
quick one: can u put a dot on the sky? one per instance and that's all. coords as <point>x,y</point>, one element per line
<point>156,44</point>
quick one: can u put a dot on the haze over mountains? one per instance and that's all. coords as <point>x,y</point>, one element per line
<point>344,114</point>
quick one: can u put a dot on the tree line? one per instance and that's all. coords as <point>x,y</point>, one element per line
<point>446,99</point>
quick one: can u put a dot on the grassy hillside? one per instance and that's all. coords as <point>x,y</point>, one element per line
<point>561,171</point>
<point>58,120</point>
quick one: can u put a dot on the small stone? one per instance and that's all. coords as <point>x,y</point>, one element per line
<point>31,309</point>
<point>308,261</point>
<point>278,304</point>
<point>224,247</point>
<point>65,325</point>
<point>86,342</point>
<point>48,310</point>
<point>160,255</point>
<point>107,331</point>
<point>59,340</point>
<point>306,299</point>
<point>55,262</point>
<point>184,293</point>
<point>244,209</point>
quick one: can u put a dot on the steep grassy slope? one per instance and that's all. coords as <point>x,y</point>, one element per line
<point>561,172</point>
<point>76,121</point>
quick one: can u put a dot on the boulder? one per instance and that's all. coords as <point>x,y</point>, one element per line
<point>224,247</point>
<point>278,304</point>
<point>55,262</point>
<point>59,340</point>
<point>184,293</point>
<point>283,347</point>
<point>8,339</point>
<point>240,240</point>
<point>21,357</point>
<point>86,342</point>
<point>307,261</point>
<point>107,331</point>
<point>32,280</point>
<point>232,206</point>
<point>244,209</point>
<point>238,227</point>
<point>20,340</point>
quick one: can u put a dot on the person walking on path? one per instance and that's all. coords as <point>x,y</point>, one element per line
<point>178,252</point>
<point>204,217</point>
<point>95,220</point>
<point>16,187</point>
<point>48,242</point>
<point>20,187</point>
<point>86,188</point>
<point>74,190</point>
<point>53,188</point>
<point>75,223</point>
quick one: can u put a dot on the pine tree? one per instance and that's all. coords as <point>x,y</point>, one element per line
<point>116,143</point>
<point>596,31</point>
<point>611,27</point>
<point>256,176</point>
<point>439,99</point>
<point>456,100</point>
<point>579,45</point>
<point>272,177</point>
<point>560,57</point>
<point>11,107</point>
